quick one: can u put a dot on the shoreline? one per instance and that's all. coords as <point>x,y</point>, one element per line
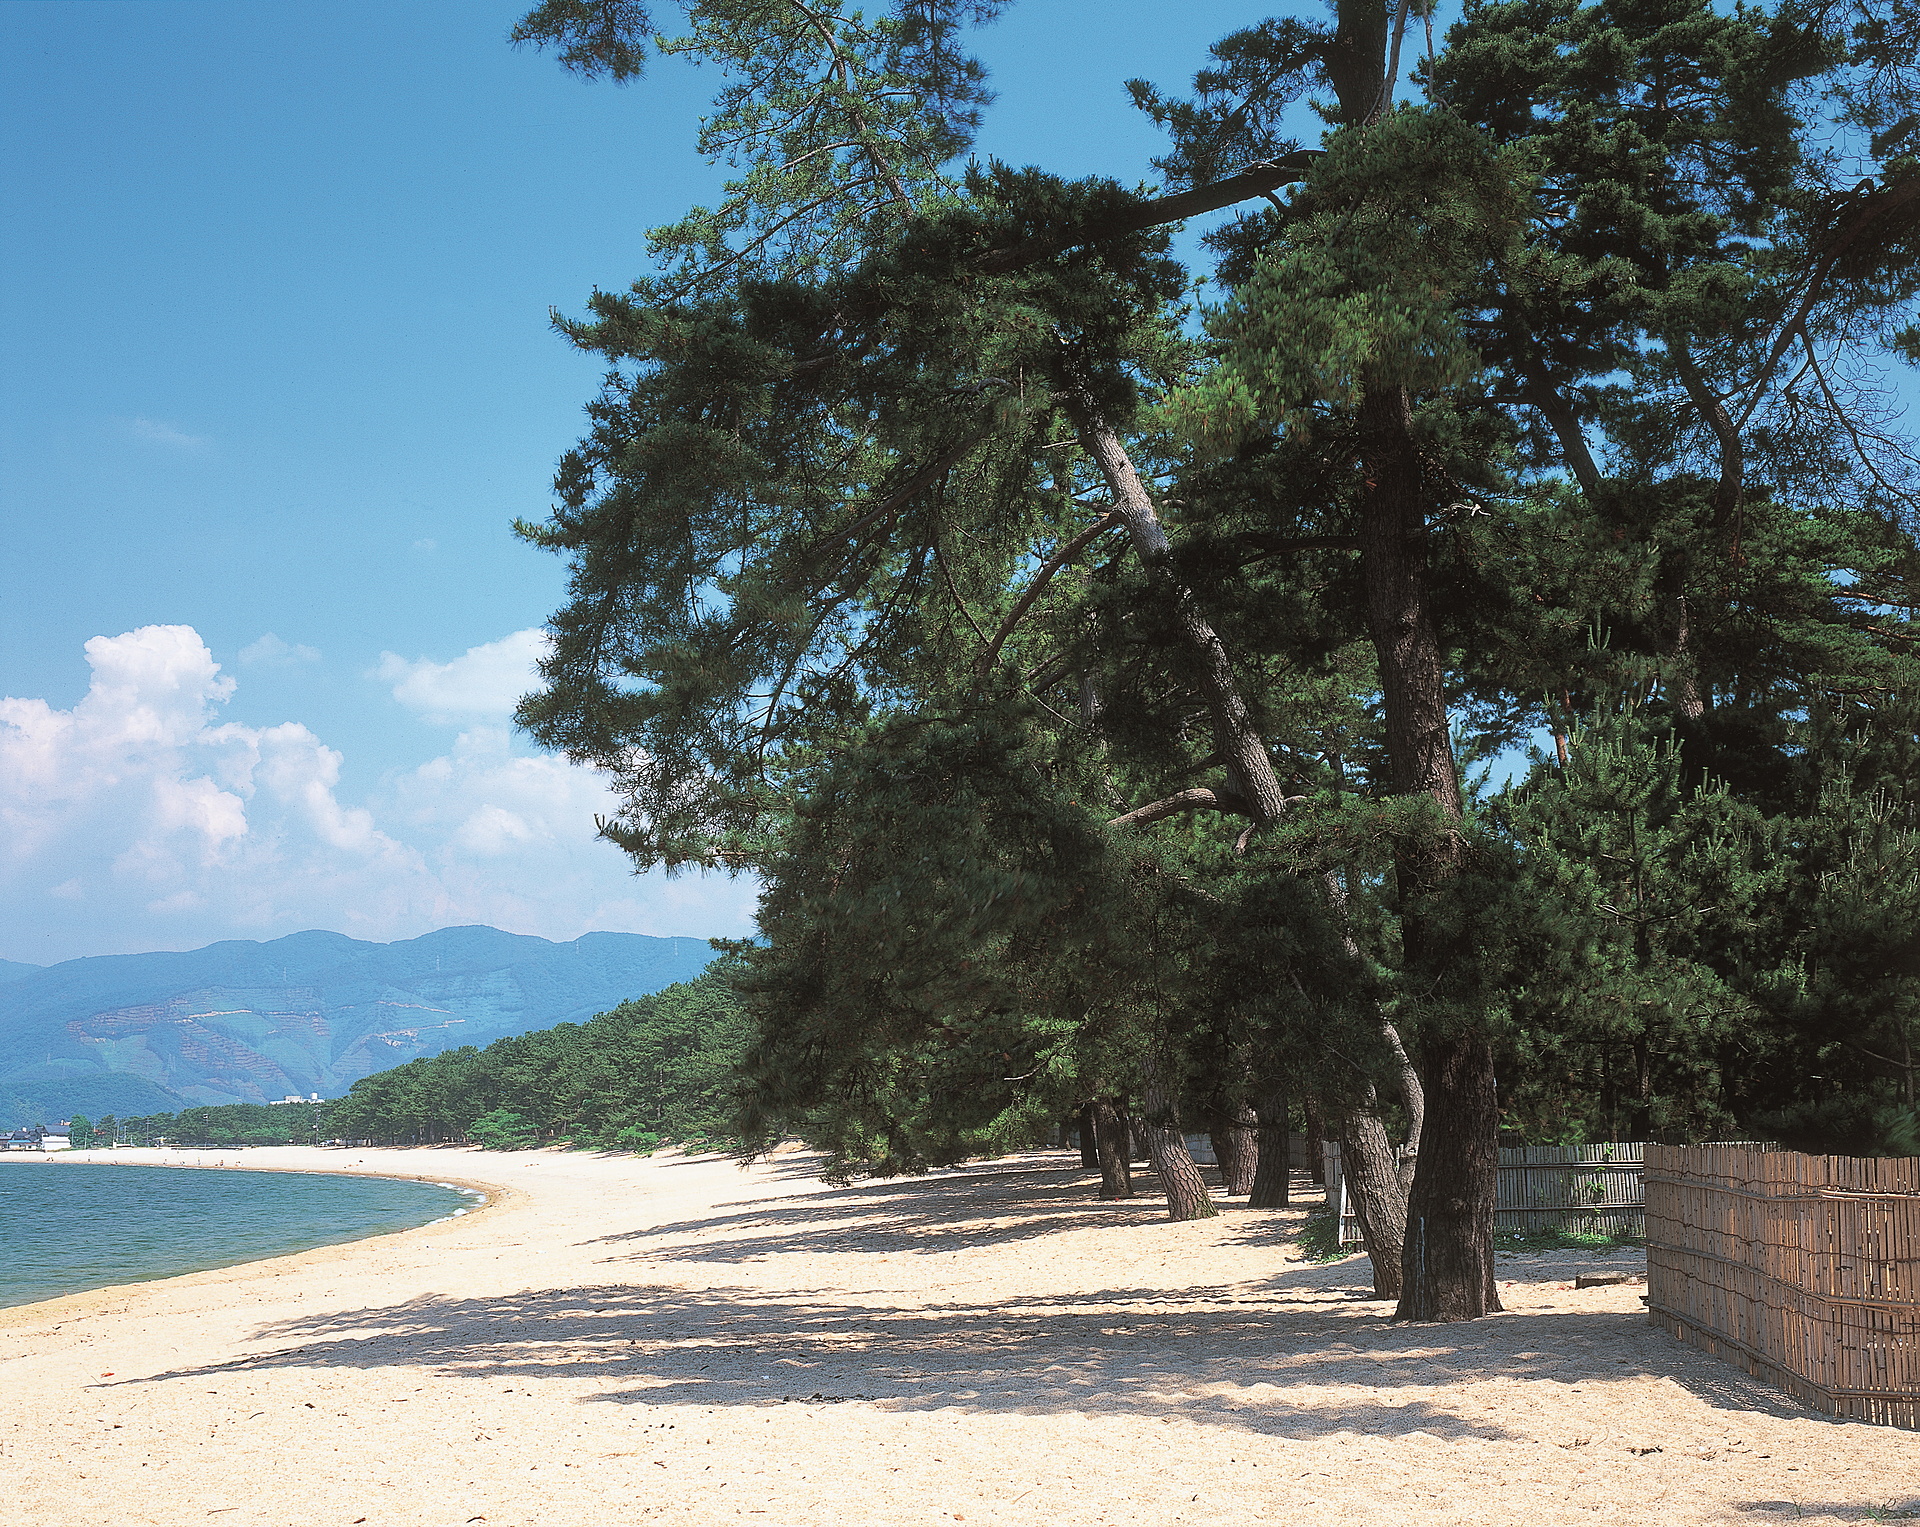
<point>73,1305</point>
<point>673,1340</point>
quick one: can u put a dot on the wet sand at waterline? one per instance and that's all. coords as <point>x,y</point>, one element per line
<point>620,1340</point>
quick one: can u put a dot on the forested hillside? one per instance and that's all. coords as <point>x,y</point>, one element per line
<point>658,1068</point>
<point>254,1022</point>
<point>1102,688</point>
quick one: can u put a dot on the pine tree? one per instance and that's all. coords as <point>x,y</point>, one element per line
<point>873,417</point>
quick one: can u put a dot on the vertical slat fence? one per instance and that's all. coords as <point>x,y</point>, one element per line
<point>1587,1189</point>
<point>1804,1270</point>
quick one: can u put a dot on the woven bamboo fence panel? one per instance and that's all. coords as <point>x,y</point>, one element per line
<point>1588,1189</point>
<point>1804,1270</point>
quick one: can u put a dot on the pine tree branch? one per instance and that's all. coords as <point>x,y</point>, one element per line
<point>1198,799</point>
<point>919,482</point>
<point>1249,765</point>
<point>1876,203</point>
<point>1266,545</point>
<point>1727,495</point>
<point>1542,395</point>
<point>1254,180</point>
<point>1041,579</point>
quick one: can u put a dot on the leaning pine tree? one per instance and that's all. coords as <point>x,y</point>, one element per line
<point>871,414</point>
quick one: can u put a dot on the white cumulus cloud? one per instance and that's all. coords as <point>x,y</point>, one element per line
<point>139,819</point>
<point>483,684</point>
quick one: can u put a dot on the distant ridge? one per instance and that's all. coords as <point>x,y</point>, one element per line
<point>246,1022</point>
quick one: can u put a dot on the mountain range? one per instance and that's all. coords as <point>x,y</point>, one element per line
<point>245,1022</point>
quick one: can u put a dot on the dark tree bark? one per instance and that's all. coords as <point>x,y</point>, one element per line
<point>1173,1163</point>
<point>1235,1146</point>
<point>1089,1151</point>
<point>1110,1134</point>
<point>1449,1247</point>
<point>1371,1168</point>
<point>1454,1205</point>
<point>1316,1142</point>
<point>1249,766</point>
<point>1272,1175</point>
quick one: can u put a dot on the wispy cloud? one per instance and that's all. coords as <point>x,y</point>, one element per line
<point>271,652</point>
<point>161,433</point>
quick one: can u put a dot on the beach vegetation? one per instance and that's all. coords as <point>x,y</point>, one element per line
<point>653,1070</point>
<point>503,1130</point>
<point>1104,673</point>
<point>1319,1237</point>
<point>297,1123</point>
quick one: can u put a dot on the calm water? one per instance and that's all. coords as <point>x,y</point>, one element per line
<point>68,1228</point>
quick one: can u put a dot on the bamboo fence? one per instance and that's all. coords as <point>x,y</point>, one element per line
<point>1804,1270</point>
<point>1586,1189</point>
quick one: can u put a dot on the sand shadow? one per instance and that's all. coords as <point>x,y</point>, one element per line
<point>989,1205</point>
<point>1256,1357</point>
<point>1229,1362</point>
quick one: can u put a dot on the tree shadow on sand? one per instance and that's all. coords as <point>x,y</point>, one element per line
<point>1223,1363</point>
<point>1250,1356</point>
<point>984,1206</point>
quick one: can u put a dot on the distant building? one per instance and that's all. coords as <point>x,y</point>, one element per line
<point>311,1097</point>
<point>34,1137</point>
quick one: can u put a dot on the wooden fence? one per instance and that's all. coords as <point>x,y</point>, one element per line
<point>1587,1189</point>
<point>1804,1270</point>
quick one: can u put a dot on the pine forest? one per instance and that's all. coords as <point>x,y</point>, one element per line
<point>1433,653</point>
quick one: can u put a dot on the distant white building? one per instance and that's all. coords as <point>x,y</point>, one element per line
<point>35,1138</point>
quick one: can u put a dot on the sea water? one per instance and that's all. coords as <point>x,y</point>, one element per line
<point>65,1228</point>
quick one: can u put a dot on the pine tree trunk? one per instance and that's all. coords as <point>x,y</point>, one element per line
<point>1454,1189</point>
<point>1089,1150</point>
<point>1173,1163</point>
<point>1235,1147</point>
<point>1449,1246</point>
<point>1273,1173</point>
<point>1316,1143</point>
<point>1249,766</point>
<point>1372,1173</point>
<point>1111,1141</point>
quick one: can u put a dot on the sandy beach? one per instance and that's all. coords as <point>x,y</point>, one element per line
<point>668,1339</point>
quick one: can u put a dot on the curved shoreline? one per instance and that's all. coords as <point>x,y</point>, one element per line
<point>496,1196</point>
<point>671,1341</point>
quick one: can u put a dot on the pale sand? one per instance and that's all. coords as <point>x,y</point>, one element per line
<point>669,1340</point>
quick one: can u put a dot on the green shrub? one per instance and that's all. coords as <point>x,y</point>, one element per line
<point>503,1130</point>
<point>1320,1237</point>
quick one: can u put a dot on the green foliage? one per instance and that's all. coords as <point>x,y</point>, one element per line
<point>1319,1238</point>
<point>1841,1071</point>
<point>1402,218</point>
<point>231,1124</point>
<point>660,1067</point>
<point>503,1130</point>
<point>1650,888</point>
<point>845,610</point>
<point>1597,1242</point>
<point>921,1006</point>
<point>593,37</point>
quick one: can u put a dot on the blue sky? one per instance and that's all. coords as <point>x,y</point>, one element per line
<point>274,284</point>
